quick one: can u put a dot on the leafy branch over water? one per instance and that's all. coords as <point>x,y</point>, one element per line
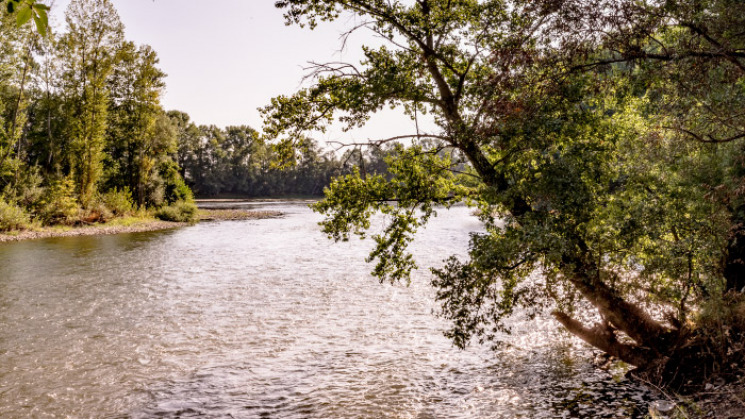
<point>600,142</point>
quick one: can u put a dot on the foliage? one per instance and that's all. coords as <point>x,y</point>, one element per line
<point>59,205</point>
<point>181,211</point>
<point>12,217</point>
<point>27,9</point>
<point>89,49</point>
<point>175,189</point>
<point>570,125</point>
<point>83,106</point>
<point>236,161</point>
<point>119,201</point>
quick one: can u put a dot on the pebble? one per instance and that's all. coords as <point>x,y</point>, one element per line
<point>661,408</point>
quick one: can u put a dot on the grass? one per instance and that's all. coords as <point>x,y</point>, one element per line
<point>129,221</point>
<point>233,214</point>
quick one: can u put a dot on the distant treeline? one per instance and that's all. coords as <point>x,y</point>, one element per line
<point>236,161</point>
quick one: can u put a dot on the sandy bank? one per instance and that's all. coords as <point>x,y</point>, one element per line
<point>117,227</point>
<point>91,230</point>
<point>235,214</point>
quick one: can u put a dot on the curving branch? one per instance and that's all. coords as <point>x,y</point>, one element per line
<point>602,336</point>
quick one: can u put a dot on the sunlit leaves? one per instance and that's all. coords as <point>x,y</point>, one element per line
<point>419,180</point>
<point>25,10</point>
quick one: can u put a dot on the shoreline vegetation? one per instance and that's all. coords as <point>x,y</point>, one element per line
<point>133,224</point>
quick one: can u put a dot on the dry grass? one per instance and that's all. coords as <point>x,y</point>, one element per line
<point>234,215</point>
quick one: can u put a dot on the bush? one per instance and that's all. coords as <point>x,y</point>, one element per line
<point>119,201</point>
<point>181,211</point>
<point>12,217</point>
<point>175,187</point>
<point>98,212</point>
<point>59,206</point>
<point>28,191</point>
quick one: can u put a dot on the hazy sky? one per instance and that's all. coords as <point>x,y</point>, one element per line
<point>227,59</point>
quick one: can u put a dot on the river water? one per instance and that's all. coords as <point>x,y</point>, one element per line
<point>267,319</point>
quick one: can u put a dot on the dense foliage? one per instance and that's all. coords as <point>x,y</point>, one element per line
<point>83,136</point>
<point>599,141</point>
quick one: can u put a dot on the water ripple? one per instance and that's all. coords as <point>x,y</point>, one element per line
<point>266,319</point>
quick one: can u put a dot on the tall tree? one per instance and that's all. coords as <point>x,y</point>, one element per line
<point>136,86</point>
<point>88,51</point>
<point>16,66</point>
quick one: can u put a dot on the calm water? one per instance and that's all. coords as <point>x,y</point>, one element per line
<point>266,318</point>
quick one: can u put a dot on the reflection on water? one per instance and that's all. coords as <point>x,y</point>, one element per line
<point>265,318</point>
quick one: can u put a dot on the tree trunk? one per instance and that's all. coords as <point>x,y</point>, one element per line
<point>734,264</point>
<point>603,337</point>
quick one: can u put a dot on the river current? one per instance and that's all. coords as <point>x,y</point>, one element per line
<point>268,319</point>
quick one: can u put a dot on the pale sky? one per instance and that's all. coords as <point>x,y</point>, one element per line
<point>226,58</point>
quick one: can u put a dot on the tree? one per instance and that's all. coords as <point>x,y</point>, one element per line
<point>690,54</point>
<point>88,50</point>
<point>188,140</point>
<point>80,118</point>
<point>558,159</point>
<point>134,143</point>
<point>16,66</point>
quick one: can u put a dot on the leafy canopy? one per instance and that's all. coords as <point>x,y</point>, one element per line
<point>561,123</point>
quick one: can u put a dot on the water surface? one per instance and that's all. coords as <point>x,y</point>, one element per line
<point>266,318</point>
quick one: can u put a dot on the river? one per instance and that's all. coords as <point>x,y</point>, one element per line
<point>268,319</point>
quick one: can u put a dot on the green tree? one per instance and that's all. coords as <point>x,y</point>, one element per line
<point>571,170</point>
<point>135,140</point>
<point>89,52</point>
<point>15,71</point>
<point>188,142</point>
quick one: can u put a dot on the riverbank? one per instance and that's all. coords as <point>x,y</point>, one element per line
<point>721,401</point>
<point>118,226</point>
<point>131,225</point>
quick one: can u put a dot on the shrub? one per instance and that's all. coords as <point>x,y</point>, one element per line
<point>181,211</point>
<point>29,190</point>
<point>98,212</point>
<point>59,206</point>
<point>12,217</point>
<point>119,201</point>
<point>175,187</point>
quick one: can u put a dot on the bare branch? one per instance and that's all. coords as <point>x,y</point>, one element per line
<point>708,138</point>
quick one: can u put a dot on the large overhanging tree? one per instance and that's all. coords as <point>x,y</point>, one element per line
<point>556,120</point>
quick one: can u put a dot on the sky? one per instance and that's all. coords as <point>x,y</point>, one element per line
<point>226,58</point>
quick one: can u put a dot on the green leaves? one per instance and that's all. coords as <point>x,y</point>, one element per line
<point>418,180</point>
<point>575,158</point>
<point>25,10</point>
<point>24,14</point>
<point>39,12</point>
